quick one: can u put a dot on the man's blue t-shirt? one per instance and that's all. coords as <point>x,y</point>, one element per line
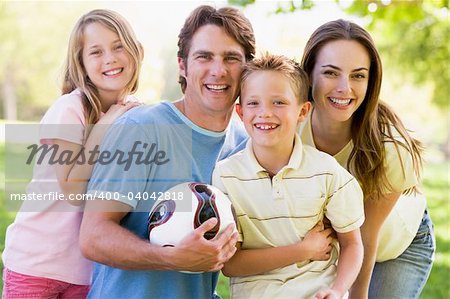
<point>155,148</point>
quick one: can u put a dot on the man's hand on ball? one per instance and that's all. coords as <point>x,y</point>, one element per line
<point>197,254</point>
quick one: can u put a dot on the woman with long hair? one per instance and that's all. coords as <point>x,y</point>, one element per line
<point>349,122</point>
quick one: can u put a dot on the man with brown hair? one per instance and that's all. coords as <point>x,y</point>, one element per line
<point>193,133</point>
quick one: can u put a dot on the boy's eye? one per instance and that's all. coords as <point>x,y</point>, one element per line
<point>252,103</point>
<point>278,102</point>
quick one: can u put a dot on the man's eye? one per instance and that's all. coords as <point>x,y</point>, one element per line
<point>233,58</point>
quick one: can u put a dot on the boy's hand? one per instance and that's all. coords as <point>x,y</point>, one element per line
<point>317,242</point>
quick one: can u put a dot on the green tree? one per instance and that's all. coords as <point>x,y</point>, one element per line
<point>415,35</point>
<point>412,36</point>
<point>32,49</point>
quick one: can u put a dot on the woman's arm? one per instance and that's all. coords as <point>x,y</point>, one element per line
<point>376,212</point>
<point>315,246</point>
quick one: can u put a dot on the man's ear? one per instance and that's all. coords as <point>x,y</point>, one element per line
<point>182,67</point>
<point>238,108</point>
<point>304,111</point>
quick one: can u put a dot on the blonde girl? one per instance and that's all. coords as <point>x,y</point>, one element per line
<point>42,257</point>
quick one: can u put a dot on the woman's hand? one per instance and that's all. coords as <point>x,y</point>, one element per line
<point>317,242</point>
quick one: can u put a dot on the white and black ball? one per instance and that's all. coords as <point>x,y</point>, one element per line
<point>172,218</point>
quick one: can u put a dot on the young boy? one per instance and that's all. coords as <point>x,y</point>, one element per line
<point>282,190</point>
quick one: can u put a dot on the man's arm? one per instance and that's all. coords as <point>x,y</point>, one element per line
<point>103,240</point>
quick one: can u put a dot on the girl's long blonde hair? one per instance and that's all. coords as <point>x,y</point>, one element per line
<point>75,75</point>
<point>373,121</point>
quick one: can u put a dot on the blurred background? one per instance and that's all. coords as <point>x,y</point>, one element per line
<point>412,36</point>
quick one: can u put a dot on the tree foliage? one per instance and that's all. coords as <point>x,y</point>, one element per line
<point>413,36</point>
<point>32,50</point>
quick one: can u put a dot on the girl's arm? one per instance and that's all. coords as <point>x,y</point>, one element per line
<point>349,264</point>
<point>315,246</point>
<point>74,177</point>
<point>376,211</point>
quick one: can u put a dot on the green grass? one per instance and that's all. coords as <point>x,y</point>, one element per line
<point>436,185</point>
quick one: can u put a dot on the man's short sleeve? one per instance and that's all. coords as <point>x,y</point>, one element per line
<point>118,174</point>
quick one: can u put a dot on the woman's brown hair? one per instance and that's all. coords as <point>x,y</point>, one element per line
<point>374,123</point>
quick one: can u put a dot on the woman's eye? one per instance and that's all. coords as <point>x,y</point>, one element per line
<point>330,73</point>
<point>359,76</point>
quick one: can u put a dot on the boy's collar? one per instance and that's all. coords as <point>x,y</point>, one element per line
<point>294,161</point>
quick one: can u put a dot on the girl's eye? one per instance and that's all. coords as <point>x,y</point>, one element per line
<point>95,53</point>
<point>278,102</point>
<point>252,103</point>
<point>119,47</point>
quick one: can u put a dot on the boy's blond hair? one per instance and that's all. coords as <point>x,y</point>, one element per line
<point>278,63</point>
